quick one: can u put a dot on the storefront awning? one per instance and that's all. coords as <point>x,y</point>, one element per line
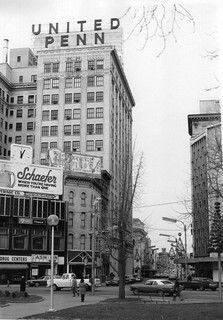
<point>13,266</point>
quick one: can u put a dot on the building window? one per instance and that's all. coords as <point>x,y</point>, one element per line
<point>99,112</point>
<point>56,67</point>
<point>83,215</point>
<point>67,146</point>
<point>29,139</point>
<point>69,66</point>
<point>90,97</point>
<point>12,100</point>
<point>76,129</point>
<point>30,125</point>
<point>99,145</point>
<point>68,82</point>
<point>55,83</point>
<point>83,199</point>
<point>77,82</point>
<point>77,97</point>
<point>54,130</point>
<point>55,99</point>
<point>99,81</point>
<point>44,147</point>
<point>20,100</point>
<point>90,113</point>
<point>70,241</point>
<point>34,78</point>
<point>90,128</point>
<point>45,131</point>
<point>77,113</point>
<point>54,114</point>
<point>4,238</point>
<point>91,81</point>
<point>39,240</point>
<point>82,242</point>
<point>68,98</point>
<point>47,67</point>
<point>91,65</point>
<point>20,239</point>
<point>53,145</point>
<point>45,115</point>
<point>20,79</point>
<point>18,126</point>
<point>18,58</point>
<point>31,113</point>
<point>99,128</point>
<point>10,139</point>
<point>18,139</point>
<point>31,99</point>
<point>19,113</point>
<point>99,96</point>
<point>90,145</point>
<point>70,219</point>
<point>67,114</point>
<point>46,99</point>
<point>100,64</point>
<point>46,83</point>
<point>76,146</point>
<point>67,130</point>
<point>77,65</point>
<point>71,197</point>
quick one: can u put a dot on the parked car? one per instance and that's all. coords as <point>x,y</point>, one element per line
<point>42,281</point>
<point>159,286</point>
<point>112,282</point>
<point>129,279</point>
<point>97,282</point>
<point>199,283</point>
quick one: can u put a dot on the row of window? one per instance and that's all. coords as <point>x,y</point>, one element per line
<point>19,113</point>
<point>73,97</point>
<point>29,126</point>
<point>73,82</point>
<point>20,240</point>
<point>74,66</point>
<point>18,139</point>
<point>91,145</point>
<point>82,243</point>
<point>20,99</point>
<point>53,130</point>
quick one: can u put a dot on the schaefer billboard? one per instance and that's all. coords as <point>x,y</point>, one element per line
<point>30,178</point>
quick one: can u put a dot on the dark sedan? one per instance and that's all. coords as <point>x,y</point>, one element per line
<point>158,286</point>
<point>199,283</point>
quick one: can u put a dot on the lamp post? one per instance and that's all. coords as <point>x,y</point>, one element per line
<point>185,234</point>
<point>52,221</point>
<point>96,201</point>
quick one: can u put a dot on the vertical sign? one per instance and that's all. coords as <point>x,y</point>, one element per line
<point>21,153</point>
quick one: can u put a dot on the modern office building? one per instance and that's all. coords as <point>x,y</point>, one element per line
<point>70,93</point>
<point>205,147</point>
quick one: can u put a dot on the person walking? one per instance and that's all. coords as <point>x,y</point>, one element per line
<point>23,284</point>
<point>82,288</point>
<point>177,291</point>
<point>74,285</point>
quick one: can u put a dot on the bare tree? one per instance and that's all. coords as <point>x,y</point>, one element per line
<point>158,21</point>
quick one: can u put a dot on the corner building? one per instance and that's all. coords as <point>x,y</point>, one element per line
<point>76,99</point>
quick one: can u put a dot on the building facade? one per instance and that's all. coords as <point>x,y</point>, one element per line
<point>75,98</point>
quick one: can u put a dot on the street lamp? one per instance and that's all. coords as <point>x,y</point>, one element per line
<point>52,221</point>
<point>185,234</point>
<point>96,201</point>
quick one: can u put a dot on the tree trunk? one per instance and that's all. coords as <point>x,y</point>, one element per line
<point>121,264</point>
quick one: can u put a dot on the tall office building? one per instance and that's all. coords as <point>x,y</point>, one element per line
<point>70,93</point>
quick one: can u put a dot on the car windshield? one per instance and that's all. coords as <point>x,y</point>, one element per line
<point>166,282</point>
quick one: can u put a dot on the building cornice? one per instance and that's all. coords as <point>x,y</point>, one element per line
<point>201,117</point>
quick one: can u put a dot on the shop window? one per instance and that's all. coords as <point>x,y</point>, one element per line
<point>39,239</point>
<point>4,238</point>
<point>20,239</point>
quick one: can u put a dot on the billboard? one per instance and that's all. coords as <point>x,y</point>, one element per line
<point>22,177</point>
<point>75,162</point>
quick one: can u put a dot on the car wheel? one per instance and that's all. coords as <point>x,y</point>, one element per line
<point>202,288</point>
<point>135,291</point>
<point>37,284</point>
<point>55,288</point>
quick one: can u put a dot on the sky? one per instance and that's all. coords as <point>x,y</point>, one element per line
<point>166,89</point>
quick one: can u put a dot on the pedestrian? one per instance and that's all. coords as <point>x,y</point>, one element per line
<point>82,288</point>
<point>74,285</point>
<point>177,291</point>
<point>23,284</point>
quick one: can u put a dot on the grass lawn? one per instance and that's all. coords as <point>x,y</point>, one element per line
<point>31,298</point>
<point>137,310</point>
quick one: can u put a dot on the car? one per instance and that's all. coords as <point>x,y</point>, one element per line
<point>158,286</point>
<point>129,279</point>
<point>42,281</point>
<point>199,283</point>
<point>112,282</point>
<point>65,281</point>
<point>97,282</point>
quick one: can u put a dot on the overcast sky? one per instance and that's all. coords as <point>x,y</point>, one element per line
<point>166,90</point>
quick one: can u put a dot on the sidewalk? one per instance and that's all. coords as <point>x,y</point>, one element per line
<point>20,310</point>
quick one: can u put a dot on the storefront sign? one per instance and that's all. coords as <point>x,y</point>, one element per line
<point>21,153</point>
<point>43,258</point>
<point>38,221</point>
<point>16,259</point>
<point>75,162</point>
<point>30,178</point>
<point>25,221</point>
